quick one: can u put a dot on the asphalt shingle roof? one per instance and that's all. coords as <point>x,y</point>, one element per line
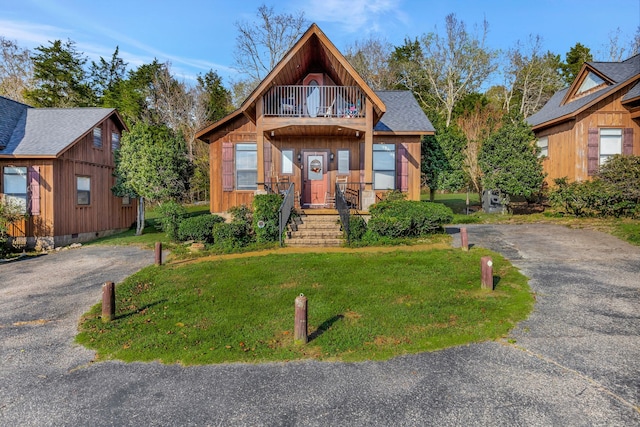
<point>618,72</point>
<point>10,114</point>
<point>403,113</point>
<point>49,131</point>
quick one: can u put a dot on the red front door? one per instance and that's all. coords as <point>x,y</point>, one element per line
<point>315,179</point>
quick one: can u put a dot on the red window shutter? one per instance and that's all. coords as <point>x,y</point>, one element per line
<point>402,166</point>
<point>33,178</point>
<point>627,141</point>
<point>593,152</point>
<point>266,152</point>
<point>227,166</point>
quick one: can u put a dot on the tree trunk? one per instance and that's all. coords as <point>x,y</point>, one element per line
<point>432,194</point>
<point>140,219</point>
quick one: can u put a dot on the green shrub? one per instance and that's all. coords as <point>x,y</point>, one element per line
<point>9,213</point>
<point>265,217</point>
<point>357,228</point>
<point>591,198</point>
<point>170,215</point>
<point>405,218</point>
<point>229,236</point>
<point>198,228</point>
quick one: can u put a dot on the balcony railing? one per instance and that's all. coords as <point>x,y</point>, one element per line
<point>314,101</point>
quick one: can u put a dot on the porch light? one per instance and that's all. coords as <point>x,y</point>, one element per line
<point>299,157</point>
<point>273,134</point>
<point>331,156</point>
<point>357,134</point>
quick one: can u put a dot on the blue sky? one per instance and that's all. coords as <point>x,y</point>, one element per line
<point>198,35</point>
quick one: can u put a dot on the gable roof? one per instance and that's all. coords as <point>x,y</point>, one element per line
<point>10,113</point>
<point>48,132</point>
<point>617,74</point>
<point>312,51</point>
<point>403,115</point>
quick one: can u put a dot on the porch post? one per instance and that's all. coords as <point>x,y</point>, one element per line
<point>260,145</point>
<point>368,147</point>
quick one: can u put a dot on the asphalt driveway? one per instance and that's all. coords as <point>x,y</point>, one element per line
<point>575,361</point>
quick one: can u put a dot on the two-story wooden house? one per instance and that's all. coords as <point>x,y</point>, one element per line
<point>313,122</point>
<point>58,164</point>
<point>598,116</point>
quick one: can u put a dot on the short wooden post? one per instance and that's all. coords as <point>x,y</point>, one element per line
<point>300,328</point>
<point>158,253</point>
<point>487,272</point>
<point>464,239</point>
<point>108,302</point>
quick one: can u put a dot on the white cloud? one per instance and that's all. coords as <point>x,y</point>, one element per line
<point>31,35</point>
<point>356,16</point>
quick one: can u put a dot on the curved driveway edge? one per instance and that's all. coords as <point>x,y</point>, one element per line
<point>575,361</point>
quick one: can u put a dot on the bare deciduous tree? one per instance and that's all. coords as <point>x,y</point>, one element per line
<point>16,70</point>
<point>370,58</point>
<point>456,63</point>
<point>260,45</point>
<point>531,77</point>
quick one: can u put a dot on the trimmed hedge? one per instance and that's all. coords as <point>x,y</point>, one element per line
<point>407,218</point>
<point>265,217</point>
<point>198,228</point>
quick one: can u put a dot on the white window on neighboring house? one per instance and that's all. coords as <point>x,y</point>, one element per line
<point>610,143</point>
<point>97,137</point>
<point>543,145</point>
<point>384,166</point>
<point>15,186</point>
<point>83,190</point>
<point>287,162</point>
<point>343,162</point>
<point>246,166</point>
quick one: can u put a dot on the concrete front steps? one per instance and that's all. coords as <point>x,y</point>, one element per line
<point>318,229</point>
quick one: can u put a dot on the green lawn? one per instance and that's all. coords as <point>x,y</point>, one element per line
<point>362,305</point>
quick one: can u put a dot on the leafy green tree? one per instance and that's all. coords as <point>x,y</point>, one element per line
<point>509,161</point>
<point>59,77</point>
<point>442,159</point>
<point>623,173</point>
<point>105,75</point>
<point>216,97</point>
<point>574,59</point>
<point>152,164</point>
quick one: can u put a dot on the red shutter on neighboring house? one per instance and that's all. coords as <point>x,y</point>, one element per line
<point>33,178</point>
<point>402,166</point>
<point>593,152</point>
<point>227,166</point>
<point>266,152</point>
<point>627,141</point>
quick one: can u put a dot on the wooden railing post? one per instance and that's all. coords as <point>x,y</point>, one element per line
<point>300,327</point>
<point>158,253</point>
<point>487,272</point>
<point>108,302</point>
<point>464,239</point>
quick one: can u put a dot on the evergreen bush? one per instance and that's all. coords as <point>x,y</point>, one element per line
<point>198,228</point>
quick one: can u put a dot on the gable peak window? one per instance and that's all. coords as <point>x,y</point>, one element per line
<point>590,81</point>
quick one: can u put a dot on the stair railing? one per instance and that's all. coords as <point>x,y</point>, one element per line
<point>343,210</point>
<point>284,212</point>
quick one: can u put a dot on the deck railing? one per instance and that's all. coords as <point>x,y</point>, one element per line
<point>314,101</point>
<point>285,210</point>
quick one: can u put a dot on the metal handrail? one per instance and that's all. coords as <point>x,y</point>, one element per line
<point>284,212</point>
<point>343,210</point>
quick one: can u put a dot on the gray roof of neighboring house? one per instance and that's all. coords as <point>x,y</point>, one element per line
<point>618,72</point>
<point>49,131</point>
<point>634,92</point>
<point>403,113</point>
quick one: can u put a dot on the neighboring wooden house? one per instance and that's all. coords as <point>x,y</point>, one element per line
<point>58,164</point>
<point>596,117</point>
<point>313,121</point>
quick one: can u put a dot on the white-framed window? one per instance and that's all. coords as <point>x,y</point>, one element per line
<point>343,162</point>
<point>384,166</point>
<point>287,162</point>
<point>610,143</point>
<point>543,145</point>
<point>246,166</point>
<point>115,141</point>
<point>15,186</point>
<point>97,137</point>
<point>83,190</point>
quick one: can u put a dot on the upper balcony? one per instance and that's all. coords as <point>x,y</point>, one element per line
<point>321,102</point>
